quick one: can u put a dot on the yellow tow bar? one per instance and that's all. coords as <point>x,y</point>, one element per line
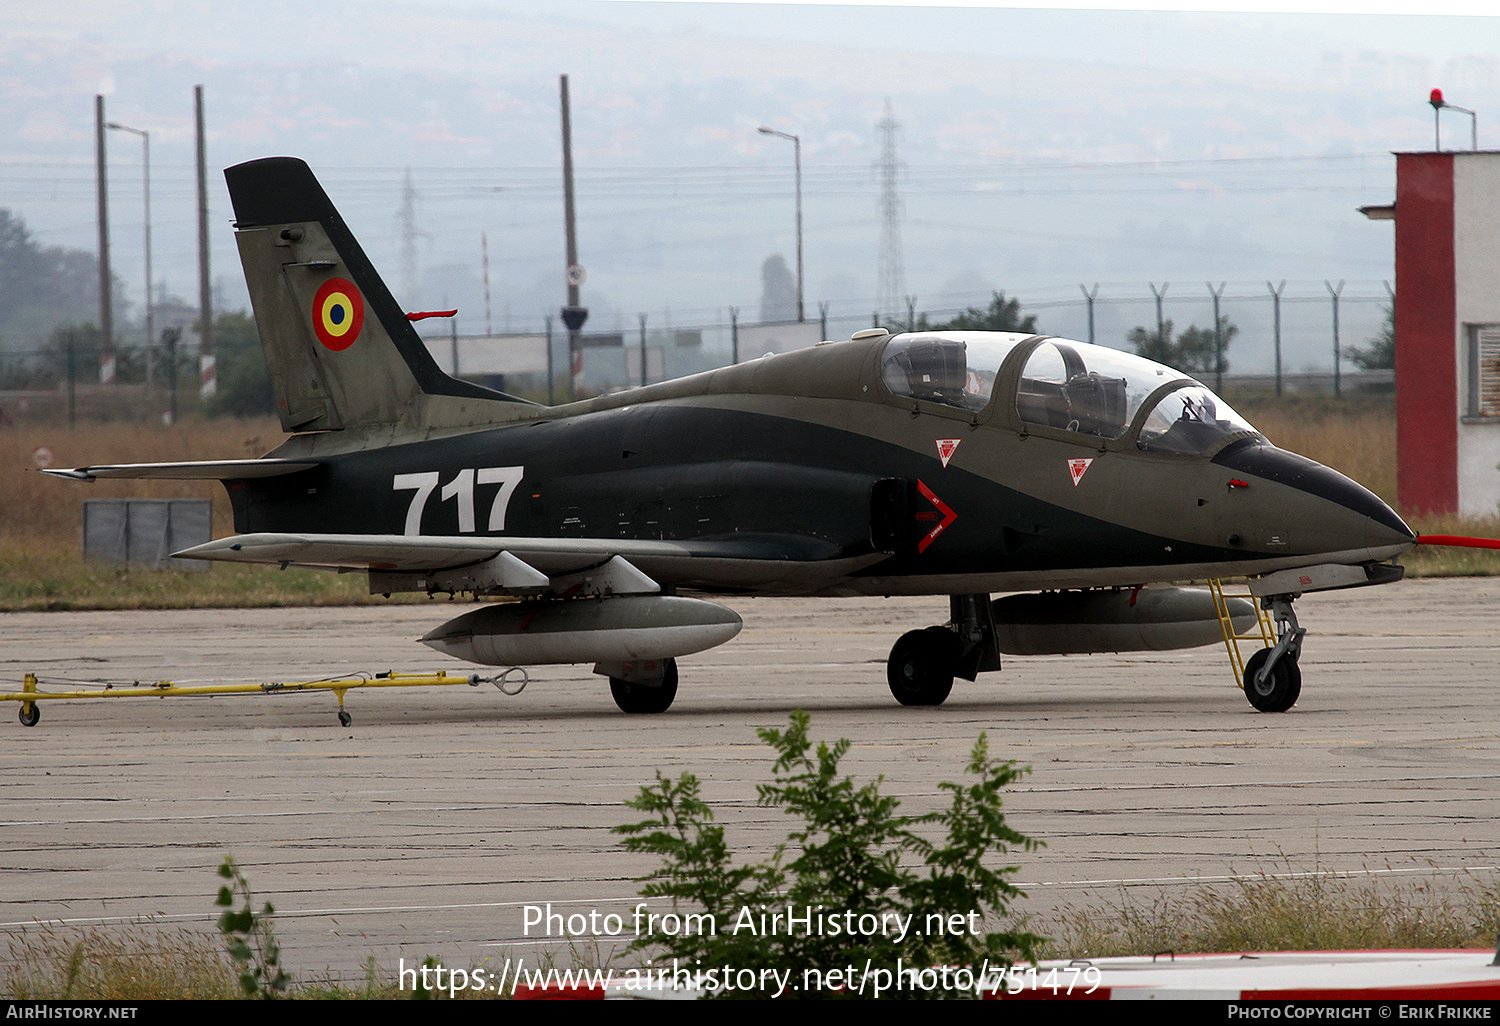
<point>512,682</point>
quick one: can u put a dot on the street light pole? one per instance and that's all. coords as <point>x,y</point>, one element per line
<point>797,156</point>
<point>106,280</point>
<point>146,188</point>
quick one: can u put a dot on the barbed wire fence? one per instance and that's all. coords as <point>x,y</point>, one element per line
<point>1293,334</point>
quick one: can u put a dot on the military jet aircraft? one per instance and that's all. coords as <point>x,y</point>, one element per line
<point>926,463</point>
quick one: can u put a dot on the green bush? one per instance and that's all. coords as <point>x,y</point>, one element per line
<point>853,860</point>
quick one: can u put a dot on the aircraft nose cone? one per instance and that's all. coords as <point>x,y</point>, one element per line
<point>1373,523</point>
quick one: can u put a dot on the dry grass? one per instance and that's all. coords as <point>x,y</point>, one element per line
<point>1286,912</point>
<point>1357,438</point>
<point>149,962</point>
<point>37,507</point>
<point>41,522</point>
<point>142,962</point>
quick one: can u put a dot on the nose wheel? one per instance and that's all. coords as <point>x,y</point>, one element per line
<point>1276,690</point>
<point>1273,680</point>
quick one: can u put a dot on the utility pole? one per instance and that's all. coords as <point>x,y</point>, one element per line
<point>643,349</point>
<point>407,219</point>
<point>892,278</point>
<point>551,375</point>
<point>209,385</point>
<point>484,250</point>
<point>146,188</point>
<point>573,315</point>
<point>106,307</point>
<point>797,153</point>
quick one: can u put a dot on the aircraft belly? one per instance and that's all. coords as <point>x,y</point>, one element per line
<point>1103,577</point>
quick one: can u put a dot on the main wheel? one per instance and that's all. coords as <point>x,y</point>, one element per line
<point>920,669</point>
<point>1279,691</point>
<point>643,698</point>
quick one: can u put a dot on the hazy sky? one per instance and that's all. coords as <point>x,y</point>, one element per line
<point>1039,149</point>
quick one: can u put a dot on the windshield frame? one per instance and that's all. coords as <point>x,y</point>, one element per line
<point>1002,410</point>
<point>1155,399</point>
<point>1008,384</point>
<point>1003,377</point>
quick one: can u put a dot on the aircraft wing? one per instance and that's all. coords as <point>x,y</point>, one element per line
<point>555,565</point>
<point>194,470</point>
<point>421,553</point>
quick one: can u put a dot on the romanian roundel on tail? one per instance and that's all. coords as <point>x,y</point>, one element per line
<point>341,352</point>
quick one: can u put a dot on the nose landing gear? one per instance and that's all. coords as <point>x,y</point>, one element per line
<point>1273,680</point>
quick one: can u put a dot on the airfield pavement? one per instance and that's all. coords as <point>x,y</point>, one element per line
<point>427,827</point>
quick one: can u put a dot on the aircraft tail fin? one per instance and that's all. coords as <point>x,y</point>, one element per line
<point>340,351</point>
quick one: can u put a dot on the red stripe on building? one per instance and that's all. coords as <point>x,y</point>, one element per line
<point>1426,335</point>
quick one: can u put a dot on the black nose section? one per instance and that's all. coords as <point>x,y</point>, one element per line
<point>1273,464</point>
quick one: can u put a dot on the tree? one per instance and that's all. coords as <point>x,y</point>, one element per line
<point>1192,352</point>
<point>42,287</point>
<point>244,381</point>
<point>55,361</point>
<point>1380,353</point>
<point>852,858</point>
<point>778,290</point>
<point>1001,315</point>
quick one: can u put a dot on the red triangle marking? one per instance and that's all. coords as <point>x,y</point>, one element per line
<point>946,447</point>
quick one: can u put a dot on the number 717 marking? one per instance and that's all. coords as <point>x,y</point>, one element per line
<point>461,488</point>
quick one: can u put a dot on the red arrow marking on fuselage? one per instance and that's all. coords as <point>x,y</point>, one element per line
<point>948,517</point>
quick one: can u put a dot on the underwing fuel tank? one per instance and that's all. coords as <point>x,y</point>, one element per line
<point>1113,620</point>
<point>611,630</point>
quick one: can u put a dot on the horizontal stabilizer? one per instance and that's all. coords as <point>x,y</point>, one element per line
<point>193,470</point>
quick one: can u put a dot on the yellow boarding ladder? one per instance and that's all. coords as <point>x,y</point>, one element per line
<point>1263,633</point>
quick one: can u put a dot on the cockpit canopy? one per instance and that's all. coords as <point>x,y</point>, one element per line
<point>956,368</point>
<point>1070,386</point>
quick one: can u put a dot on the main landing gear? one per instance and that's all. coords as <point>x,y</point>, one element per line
<point>923,663</point>
<point>920,669</point>
<point>646,696</point>
<point>1272,679</point>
